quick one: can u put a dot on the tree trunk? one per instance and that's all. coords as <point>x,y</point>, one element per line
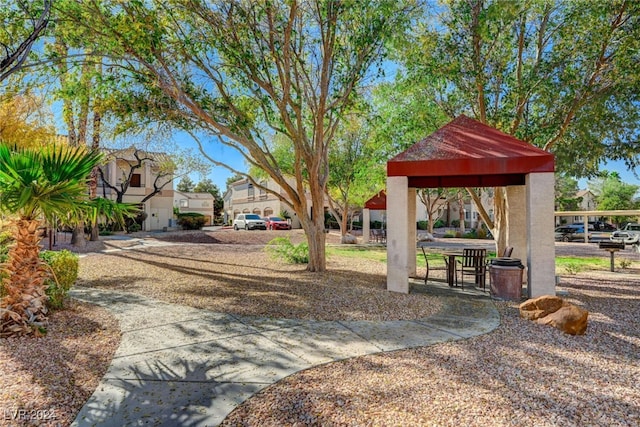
<point>77,236</point>
<point>314,228</point>
<point>462,213</point>
<point>343,223</point>
<point>23,307</point>
<point>501,224</point>
<point>429,221</point>
<point>95,233</point>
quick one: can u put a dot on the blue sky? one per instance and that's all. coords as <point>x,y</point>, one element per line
<point>626,175</point>
<point>218,152</point>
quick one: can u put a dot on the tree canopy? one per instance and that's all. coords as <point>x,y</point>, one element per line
<point>22,24</point>
<point>245,71</point>
<point>557,74</point>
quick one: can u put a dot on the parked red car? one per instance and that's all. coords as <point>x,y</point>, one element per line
<point>277,223</point>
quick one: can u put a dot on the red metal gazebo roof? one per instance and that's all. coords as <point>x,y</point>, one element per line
<point>467,153</point>
<point>377,202</point>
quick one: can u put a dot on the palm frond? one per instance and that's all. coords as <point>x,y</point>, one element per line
<point>50,181</point>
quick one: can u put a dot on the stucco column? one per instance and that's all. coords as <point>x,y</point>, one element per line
<point>517,220</point>
<point>541,258</point>
<point>412,231</point>
<point>366,220</point>
<point>397,234</point>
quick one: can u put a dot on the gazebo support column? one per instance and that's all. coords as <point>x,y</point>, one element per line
<point>399,229</point>
<point>540,234</point>
<point>366,221</point>
<point>517,219</point>
<point>412,231</point>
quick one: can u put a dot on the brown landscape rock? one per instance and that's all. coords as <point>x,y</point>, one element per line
<point>540,307</point>
<point>569,319</point>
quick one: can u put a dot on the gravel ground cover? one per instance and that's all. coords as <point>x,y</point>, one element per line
<point>244,279</point>
<point>45,381</point>
<point>521,374</point>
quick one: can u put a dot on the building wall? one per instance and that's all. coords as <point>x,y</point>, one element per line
<point>202,203</point>
<point>159,208</point>
<point>243,197</point>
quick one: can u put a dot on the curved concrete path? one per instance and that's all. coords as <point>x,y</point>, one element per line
<point>179,365</point>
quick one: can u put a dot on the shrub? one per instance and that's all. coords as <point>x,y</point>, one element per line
<point>471,234</point>
<point>281,247</point>
<point>423,225</point>
<point>64,272</point>
<point>6,240</point>
<point>191,221</point>
<point>455,223</point>
<point>625,263</point>
<point>439,224</point>
<point>134,227</point>
<point>573,268</point>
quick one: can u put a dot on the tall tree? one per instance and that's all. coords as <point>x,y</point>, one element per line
<point>355,172</point>
<point>23,22</point>
<point>613,194</point>
<point>560,75</point>
<point>243,71</point>
<point>566,193</point>
<point>185,184</point>
<point>434,201</point>
<point>24,121</point>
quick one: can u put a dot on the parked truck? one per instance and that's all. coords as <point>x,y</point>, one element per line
<point>630,235</point>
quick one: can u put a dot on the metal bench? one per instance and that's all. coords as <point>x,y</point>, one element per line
<point>612,248</point>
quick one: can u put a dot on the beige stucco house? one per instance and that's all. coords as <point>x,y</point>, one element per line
<point>147,171</point>
<point>202,203</point>
<point>243,197</point>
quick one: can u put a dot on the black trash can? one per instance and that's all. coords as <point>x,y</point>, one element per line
<point>506,278</point>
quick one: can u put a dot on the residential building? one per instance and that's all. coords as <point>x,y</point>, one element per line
<point>243,197</point>
<point>587,203</point>
<point>148,174</point>
<point>202,203</point>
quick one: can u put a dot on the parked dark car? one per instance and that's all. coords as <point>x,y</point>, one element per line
<point>604,226</point>
<point>276,223</point>
<point>570,233</point>
<point>596,226</point>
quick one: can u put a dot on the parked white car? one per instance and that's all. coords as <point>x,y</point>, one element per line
<point>630,235</point>
<point>249,222</point>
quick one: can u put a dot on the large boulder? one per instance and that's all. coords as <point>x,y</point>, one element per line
<point>554,311</point>
<point>539,307</point>
<point>425,237</point>
<point>569,318</point>
<point>349,239</point>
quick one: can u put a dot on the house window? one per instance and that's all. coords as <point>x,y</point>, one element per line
<point>136,180</point>
<point>251,191</point>
<point>184,203</point>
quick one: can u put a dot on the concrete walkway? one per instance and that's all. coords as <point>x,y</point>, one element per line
<point>183,366</point>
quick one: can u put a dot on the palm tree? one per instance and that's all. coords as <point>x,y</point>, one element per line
<point>35,185</point>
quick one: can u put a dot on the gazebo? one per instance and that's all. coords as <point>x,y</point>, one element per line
<point>376,203</point>
<point>467,153</point>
